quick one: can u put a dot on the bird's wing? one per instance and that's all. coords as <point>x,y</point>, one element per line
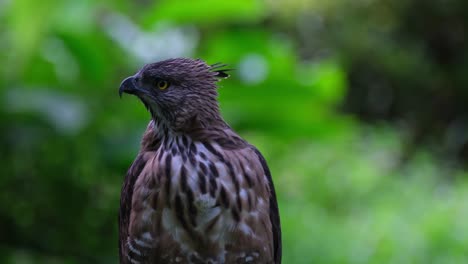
<point>274,212</point>
<point>126,204</point>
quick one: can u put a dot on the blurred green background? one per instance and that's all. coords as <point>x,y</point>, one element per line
<point>360,108</point>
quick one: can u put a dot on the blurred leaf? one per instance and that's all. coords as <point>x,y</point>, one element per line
<point>326,79</point>
<point>25,35</point>
<point>204,11</point>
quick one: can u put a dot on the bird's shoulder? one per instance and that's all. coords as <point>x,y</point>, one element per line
<point>256,177</point>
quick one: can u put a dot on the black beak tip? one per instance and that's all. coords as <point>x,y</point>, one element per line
<point>127,86</point>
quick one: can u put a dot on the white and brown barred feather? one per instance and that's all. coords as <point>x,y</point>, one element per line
<point>201,196</point>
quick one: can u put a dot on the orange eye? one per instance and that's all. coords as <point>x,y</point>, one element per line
<point>162,85</point>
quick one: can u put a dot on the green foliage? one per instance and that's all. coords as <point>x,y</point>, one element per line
<point>348,192</point>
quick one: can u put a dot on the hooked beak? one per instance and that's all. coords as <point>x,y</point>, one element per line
<point>128,86</point>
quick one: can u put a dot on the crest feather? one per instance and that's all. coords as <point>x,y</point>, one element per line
<point>220,70</point>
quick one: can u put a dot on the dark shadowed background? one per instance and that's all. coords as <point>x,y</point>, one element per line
<point>360,108</point>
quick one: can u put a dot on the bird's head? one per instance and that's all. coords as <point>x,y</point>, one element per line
<point>178,92</point>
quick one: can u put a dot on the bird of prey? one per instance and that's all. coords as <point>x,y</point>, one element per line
<point>196,192</point>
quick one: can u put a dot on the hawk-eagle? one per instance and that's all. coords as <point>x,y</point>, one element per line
<point>196,192</point>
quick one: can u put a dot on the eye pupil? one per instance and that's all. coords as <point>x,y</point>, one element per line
<point>163,85</point>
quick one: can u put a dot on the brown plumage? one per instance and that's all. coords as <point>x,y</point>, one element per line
<point>196,192</point>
